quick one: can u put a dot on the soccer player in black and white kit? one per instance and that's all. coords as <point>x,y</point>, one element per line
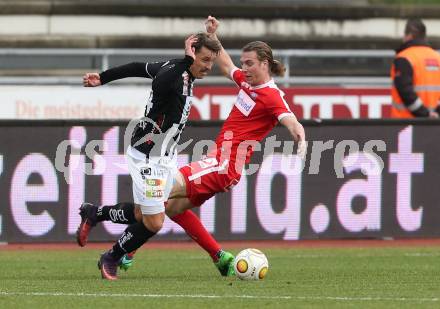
<point>152,154</point>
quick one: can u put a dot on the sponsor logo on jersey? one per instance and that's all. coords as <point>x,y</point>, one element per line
<point>154,182</point>
<point>154,193</point>
<point>244,103</point>
<point>146,171</point>
<point>154,188</point>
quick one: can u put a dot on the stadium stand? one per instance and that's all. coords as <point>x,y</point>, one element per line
<point>285,24</point>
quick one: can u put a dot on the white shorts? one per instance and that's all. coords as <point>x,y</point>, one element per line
<point>152,180</point>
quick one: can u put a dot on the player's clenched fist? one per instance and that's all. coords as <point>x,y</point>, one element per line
<point>211,24</point>
<point>91,80</point>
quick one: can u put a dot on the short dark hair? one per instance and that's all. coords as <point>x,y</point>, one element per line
<point>264,52</point>
<point>203,40</point>
<point>416,28</point>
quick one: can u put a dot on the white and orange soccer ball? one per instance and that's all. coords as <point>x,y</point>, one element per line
<point>251,264</point>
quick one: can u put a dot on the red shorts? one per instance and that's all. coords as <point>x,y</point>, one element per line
<point>207,177</point>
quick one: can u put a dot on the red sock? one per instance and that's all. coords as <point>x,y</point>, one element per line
<point>131,254</point>
<point>195,229</point>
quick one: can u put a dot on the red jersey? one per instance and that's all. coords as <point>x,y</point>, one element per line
<point>255,113</point>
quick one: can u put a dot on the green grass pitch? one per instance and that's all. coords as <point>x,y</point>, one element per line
<point>297,278</point>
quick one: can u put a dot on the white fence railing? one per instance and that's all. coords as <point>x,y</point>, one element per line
<point>103,57</point>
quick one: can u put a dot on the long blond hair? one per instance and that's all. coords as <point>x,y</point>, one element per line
<point>264,52</point>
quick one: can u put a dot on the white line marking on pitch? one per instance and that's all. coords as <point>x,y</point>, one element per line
<point>139,295</point>
<point>334,298</point>
<point>422,254</point>
<point>366,255</point>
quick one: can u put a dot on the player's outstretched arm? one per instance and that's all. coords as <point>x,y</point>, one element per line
<point>223,60</point>
<point>134,69</point>
<point>296,130</point>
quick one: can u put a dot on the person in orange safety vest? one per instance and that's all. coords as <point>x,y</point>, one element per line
<point>416,75</point>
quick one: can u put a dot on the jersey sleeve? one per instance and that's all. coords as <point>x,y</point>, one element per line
<point>152,68</point>
<point>168,73</point>
<point>134,69</point>
<point>277,106</point>
<point>237,76</point>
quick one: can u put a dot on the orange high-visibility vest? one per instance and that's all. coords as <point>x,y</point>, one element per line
<point>425,63</point>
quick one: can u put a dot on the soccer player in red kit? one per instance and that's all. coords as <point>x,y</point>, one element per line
<point>260,106</point>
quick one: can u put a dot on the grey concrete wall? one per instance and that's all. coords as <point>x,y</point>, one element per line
<point>152,23</point>
<point>290,9</point>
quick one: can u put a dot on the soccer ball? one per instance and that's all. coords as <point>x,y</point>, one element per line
<point>251,264</point>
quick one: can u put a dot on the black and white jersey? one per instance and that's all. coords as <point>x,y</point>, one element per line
<point>167,111</point>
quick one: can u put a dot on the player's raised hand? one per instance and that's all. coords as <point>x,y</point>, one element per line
<point>91,80</point>
<point>211,24</point>
<point>189,48</point>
